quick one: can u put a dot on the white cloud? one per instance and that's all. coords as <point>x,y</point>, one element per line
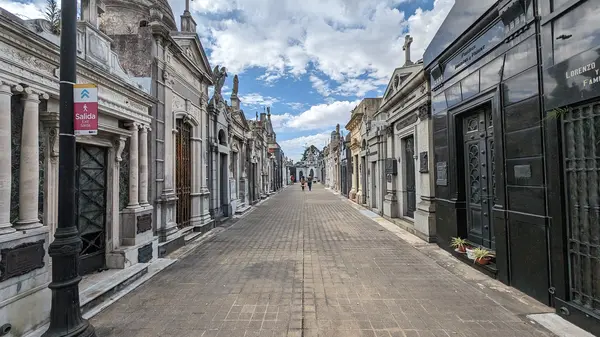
<point>31,10</point>
<point>319,117</point>
<point>294,148</point>
<point>355,44</point>
<point>255,99</point>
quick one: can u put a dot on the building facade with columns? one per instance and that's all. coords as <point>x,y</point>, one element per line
<point>110,184</point>
<point>374,135</point>
<point>311,164</point>
<point>240,153</point>
<point>409,184</point>
<point>173,66</point>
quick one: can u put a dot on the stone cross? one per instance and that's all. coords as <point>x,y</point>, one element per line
<point>407,42</point>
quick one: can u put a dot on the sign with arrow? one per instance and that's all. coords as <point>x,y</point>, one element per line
<point>86,109</point>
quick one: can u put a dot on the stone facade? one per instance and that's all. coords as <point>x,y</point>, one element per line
<point>311,164</point>
<point>409,189</point>
<point>177,73</point>
<point>112,183</point>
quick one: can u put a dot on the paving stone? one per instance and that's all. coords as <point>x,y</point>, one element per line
<point>307,264</point>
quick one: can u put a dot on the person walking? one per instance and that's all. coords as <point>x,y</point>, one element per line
<point>302,183</point>
<point>310,181</point>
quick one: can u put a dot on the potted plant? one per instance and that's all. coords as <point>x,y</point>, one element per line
<point>459,245</point>
<point>482,256</point>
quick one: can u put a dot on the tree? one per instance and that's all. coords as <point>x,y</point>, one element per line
<point>53,16</point>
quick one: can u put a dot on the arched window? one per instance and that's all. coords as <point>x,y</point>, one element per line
<point>222,138</point>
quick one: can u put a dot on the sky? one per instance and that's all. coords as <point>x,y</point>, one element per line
<point>311,61</point>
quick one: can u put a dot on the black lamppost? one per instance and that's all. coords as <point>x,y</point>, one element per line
<point>65,315</point>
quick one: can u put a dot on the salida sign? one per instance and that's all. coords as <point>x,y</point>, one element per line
<point>86,109</point>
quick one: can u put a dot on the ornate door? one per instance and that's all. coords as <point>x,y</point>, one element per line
<point>90,184</point>
<point>581,172</point>
<point>183,173</point>
<point>409,173</point>
<point>478,130</point>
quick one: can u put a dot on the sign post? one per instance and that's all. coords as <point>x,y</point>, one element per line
<point>85,109</point>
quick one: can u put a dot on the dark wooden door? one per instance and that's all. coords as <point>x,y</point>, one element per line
<point>478,133</point>
<point>183,173</point>
<point>409,169</point>
<point>91,206</point>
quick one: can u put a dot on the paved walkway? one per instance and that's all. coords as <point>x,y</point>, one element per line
<point>308,264</point>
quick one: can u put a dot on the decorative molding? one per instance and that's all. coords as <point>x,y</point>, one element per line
<point>424,111</point>
<point>53,139</point>
<point>120,145</point>
<point>407,120</point>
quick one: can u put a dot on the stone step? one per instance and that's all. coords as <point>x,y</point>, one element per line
<point>96,288</point>
<point>242,210</point>
<point>100,290</point>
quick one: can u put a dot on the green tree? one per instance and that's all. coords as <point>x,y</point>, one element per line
<point>53,16</point>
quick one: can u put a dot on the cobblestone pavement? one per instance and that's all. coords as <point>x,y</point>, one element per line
<point>308,264</point>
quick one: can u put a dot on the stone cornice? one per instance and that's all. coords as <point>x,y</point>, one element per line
<point>25,58</point>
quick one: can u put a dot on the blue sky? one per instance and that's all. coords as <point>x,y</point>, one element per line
<point>312,61</point>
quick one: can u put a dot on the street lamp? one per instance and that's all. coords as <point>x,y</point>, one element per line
<point>65,315</point>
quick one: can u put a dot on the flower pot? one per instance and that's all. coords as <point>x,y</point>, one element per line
<point>484,260</point>
<point>461,250</point>
<point>470,253</point>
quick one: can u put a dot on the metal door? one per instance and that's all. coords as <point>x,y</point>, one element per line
<point>409,169</point>
<point>90,197</point>
<point>581,170</point>
<point>478,133</point>
<point>183,174</point>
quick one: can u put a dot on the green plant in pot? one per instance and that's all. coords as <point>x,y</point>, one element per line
<point>482,256</point>
<point>459,244</point>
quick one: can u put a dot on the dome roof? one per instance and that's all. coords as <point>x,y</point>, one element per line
<point>133,12</point>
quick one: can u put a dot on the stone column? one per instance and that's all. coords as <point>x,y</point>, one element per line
<point>6,91</point>
<point>29,169</point>
<point>133,166</point>
<point>143,165</point>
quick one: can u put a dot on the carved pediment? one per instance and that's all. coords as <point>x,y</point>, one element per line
<point>193,50</point>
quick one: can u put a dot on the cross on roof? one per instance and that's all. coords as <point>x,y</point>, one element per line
<point>407,42</point>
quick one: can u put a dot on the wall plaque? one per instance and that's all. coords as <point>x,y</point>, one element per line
<point>424,162</point>
<point>21,259</point>
<point>442,173</point>
<point>573,80</point>
<point>522,171</point>
<point>391,166</point>
<point>144,223</point>
<point>145,253</point>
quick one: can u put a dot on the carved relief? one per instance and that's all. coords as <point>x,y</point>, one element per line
<point>28,60</point>
<point>98,47</point>
<point>178,103</point>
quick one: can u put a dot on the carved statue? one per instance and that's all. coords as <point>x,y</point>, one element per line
<point>236,84</point>
<point>219,76</point>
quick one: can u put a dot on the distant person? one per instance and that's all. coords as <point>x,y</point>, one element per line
<point>292,178</point>
<point>302,182</point>
<point>310,181</point>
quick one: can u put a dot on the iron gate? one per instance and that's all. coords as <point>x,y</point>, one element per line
<point>581,166</point>
<point>91,206</point>
<point>478,132</point>
<point>184,173</point>
<point>409,166</point>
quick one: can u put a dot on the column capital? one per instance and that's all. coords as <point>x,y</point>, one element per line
<point>145,128</point>
<point>133,125</point>
<point>30,94</point>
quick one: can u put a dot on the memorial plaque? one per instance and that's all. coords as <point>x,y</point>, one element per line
<point>144,223</point>
<point>424,162</point>
<point>442,173</point>
<point>21,259</point>
<point>522,171</point>
<point>145,253</point>
<point>391,166</point>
